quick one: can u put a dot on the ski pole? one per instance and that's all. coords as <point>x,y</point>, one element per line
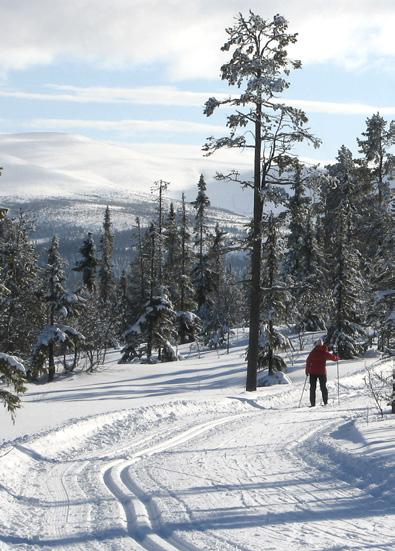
<point>304,386</point>
<point>338,384</point>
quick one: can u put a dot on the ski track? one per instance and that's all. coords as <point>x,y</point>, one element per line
<point>277,494</point>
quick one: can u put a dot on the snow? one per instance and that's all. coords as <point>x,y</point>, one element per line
<point>177,456</point>
<point>278,378</point>
<point>57,333</point>
<point>60,165</point>
<point>13,361</point>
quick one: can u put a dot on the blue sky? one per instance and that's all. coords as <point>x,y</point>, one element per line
<point>139,71</point>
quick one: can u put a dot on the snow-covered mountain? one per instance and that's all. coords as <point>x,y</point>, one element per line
<point>80,175</point>
<point>64,182</point>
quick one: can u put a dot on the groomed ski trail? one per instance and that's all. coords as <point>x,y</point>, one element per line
<point>143,518</point>
<point>259,478</point>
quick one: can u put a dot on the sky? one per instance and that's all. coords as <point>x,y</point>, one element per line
<point>139,71</point>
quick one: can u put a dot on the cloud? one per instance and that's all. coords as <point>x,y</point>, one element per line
<point>186,35</point>
<point>128,126</point>
<point>339,108</point>
<point>171,96</point>
<point>144,95</point>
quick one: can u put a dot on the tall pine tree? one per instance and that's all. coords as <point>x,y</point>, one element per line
<point>259,64</point>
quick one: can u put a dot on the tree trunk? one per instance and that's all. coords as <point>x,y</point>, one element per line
<point>256,254</point>
<point>270,351</point>
<point>51,362</point>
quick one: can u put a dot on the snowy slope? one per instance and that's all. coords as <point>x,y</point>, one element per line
<point>55,165</point>
<point>178,457</point>
<point>64,183</point>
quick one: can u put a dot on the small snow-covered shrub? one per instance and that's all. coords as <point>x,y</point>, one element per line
<point>278,363</point>
<point>277,378</point>
<point>379,385</point>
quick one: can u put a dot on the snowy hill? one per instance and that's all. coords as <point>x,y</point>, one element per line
<point>178,457</point>
<point>63,177</point>
<point>64,182</point>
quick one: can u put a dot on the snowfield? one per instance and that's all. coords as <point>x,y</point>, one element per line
<point>177,456</point>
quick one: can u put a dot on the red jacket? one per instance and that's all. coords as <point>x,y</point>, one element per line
<point>316,360</point>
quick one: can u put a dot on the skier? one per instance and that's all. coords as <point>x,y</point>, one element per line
<point>316,368</point>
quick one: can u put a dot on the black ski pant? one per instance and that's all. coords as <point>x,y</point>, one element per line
<point>313,386</point>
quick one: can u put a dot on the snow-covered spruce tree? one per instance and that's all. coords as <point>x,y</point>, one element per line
<point>177,274</point>
<point>106,276</point>
<point>109,310</point>
<point>90,320</point>
<point>172,256</point>
<point>382,277</point>
<point>260,66</point>
<point>12,371</point>
<point>314,301</point>
<point>346,333</point>
<point>347,178</point>
<point>155,327</point>
<point>304,261</point>
<point>21,310</point>
<point>159,188</point>
<point>275,297</point>
<point>217,324</point>
<point>299,213</point>
<point>88,264</point>
<point>377,140</point>
<point>188,323</point>
<point>377,235</point>
<point>12,375</point>
<point>138,284</point>
<point>201,272</point>
<point>60,304</point>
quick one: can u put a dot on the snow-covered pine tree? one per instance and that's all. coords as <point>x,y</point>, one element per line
<point>299,213</point>
<point>90,321</point>
<point>109,309</point>
<point>377,237</point>
<point>12,375</point>
<point>304,263</point>
<point>21,311</point>
<point>138,274</point>
<point>87,265</point>
<point>217,324</point>
<point>12,371</point>
<point>159,188</point>
<point>201,272</point>
<point>106,276</point>
<point>60,304</point>
<point>314,301</point>
<point>382,278</point>
<point>176,274</point>
<point>172,256</point>
<point>155,327</point>
<point>275,296</point>
<point>188,323</point>
<point>187,301</point>
<point>259,64</point>
<point>346,333</point>
<point>377,140</point>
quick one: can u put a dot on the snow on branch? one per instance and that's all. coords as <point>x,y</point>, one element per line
<point>12,362</point>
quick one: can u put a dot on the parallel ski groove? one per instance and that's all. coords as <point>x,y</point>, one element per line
<point>142,518</point>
